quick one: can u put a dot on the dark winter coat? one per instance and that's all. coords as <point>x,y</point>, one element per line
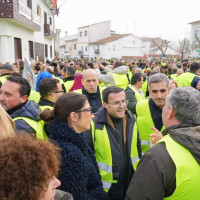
<point>155,177</point>
<point>79,173</point>
<point>30,110</point>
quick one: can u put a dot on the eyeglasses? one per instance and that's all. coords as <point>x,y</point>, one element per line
<point>61,91</point>
<point>85,110</point>
<point>117,103</point>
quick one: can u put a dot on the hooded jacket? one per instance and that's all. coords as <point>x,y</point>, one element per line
<point>79,173</point>
<point>108,78</point>
<point>29,110</point>
<point>155,177</point>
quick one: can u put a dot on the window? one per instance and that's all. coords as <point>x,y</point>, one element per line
<point>29,3</point>
<point>196,33</point>
<point>85,48</point>
<point>74,46</point>
<point>46,50</point>
<point>31,51</point>
<point>18,48</point>
<point>80,34</point>
<point>38,10</point>
<point>85,33</point>
<point>50,20</point>
<point>45,18</point>
<point>51,52</point>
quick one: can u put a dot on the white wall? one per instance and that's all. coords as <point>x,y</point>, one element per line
<point>10,29</point>
<point>99,31</point>
<point>127,46</point>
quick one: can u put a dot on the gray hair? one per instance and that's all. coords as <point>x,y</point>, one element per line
<point>158,78</point>
<point>186,104</point>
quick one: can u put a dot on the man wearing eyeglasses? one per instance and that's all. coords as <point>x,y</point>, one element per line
<point>50,90</point>
<point>114,139</point>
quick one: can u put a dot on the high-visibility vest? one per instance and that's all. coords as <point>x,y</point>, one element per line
<point>35,125</point>
<point>104,155</point>
<point>120,80</point>
<point>144,87</point>
<point>35,96</point>
<point>68,85</point>
<point>187,171</point>
<point>173,76</point>
<point>138,96</point>
<point>185,79</point>
<point>44,107</point>
<point>3,79</point>
<point>42,122</point>
<point>144,123</point>
<point>100,90</point>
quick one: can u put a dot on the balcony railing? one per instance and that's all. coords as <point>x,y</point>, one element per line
<point>24,10</point>
<point>48,32</point>
<point>36,18</point>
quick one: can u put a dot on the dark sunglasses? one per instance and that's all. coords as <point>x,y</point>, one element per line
<point>84,110</point>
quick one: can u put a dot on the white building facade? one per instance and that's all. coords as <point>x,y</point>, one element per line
<point>116,46</point>
<point>27,30</point>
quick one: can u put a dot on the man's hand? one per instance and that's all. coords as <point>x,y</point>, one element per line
<point>155,137</point>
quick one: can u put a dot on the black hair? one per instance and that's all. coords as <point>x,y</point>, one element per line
<point>47,86</point>
<point>194,67</point>
<point>108,90</point>
<point>136,78</point>
<point>24,88</point>
<point>69,70</point>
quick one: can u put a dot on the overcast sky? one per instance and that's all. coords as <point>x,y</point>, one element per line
<point>167,19</point>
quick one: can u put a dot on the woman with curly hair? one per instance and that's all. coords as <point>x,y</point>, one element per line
<point>79,173</point>
<point>28,169</point>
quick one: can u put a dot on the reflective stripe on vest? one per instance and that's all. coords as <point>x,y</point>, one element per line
<point>185,79</point>
<point>35,125</point>
<point>187,171</point>
<point>144,123</point>
<point>138,96</point>
<point>120,80</point>
<point>104,155</point>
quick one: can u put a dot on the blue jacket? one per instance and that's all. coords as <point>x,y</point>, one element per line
<point>30,110</point>
<point>41,76</point>
<point>79,173</point>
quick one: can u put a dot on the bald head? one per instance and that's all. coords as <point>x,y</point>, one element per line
<point>90,80</point>
<point>179,72</point>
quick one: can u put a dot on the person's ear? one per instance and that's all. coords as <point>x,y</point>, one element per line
<point>24,98</point>
<point>105,105</point>
<point>73,116</point>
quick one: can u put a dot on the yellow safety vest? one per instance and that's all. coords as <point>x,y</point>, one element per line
<point>120,80</point>
<point>185,79</point>
<point>187,171</point>
<point>35,125</point>
<point>68,85</point>
<point>35,96</point>
<point>104,155</point>
<point>144,87</point>
<point>138,96</point>
<point>144,123</point>
<point>3,79</point>
<point>100,89</point>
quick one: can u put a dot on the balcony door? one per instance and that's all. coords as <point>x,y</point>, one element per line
<point>18,48</point>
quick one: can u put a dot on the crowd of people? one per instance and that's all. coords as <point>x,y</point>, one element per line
<point>100,129</point>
